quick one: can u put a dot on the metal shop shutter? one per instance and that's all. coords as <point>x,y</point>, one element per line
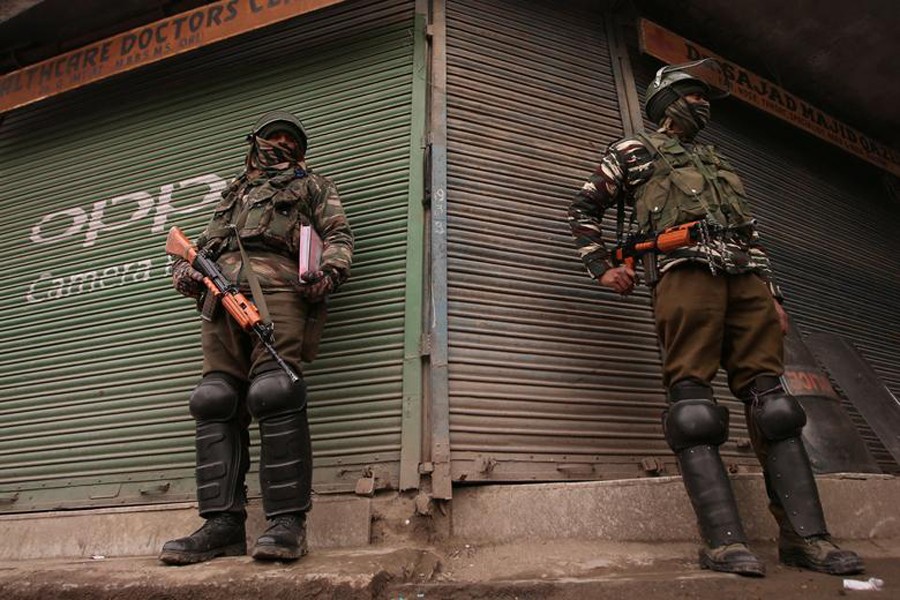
<point>98,354</point>
<point>550,377</point>
<point>829,227</point>
<point>831,230</point>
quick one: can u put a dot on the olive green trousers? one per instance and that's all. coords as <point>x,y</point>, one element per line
<point>705,321</point>
<point>229,349</point>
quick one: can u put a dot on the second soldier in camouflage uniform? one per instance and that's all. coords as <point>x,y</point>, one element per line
<point>265,206</point>
<point>715,304</point>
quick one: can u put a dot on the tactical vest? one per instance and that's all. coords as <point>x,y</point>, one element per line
<point>267,214</point>
<point>687,185</point>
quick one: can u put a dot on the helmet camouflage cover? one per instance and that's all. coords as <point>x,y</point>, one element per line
<point>674,81</point>
<point>280,120</point>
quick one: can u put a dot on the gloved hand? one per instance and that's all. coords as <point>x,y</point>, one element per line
<point>316,285</point>
<point>187,280</point>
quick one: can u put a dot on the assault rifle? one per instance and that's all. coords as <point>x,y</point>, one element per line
<point>238,306</point>
<point>647,246</point>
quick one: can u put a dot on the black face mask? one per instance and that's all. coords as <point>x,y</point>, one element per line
<point>690,118</point>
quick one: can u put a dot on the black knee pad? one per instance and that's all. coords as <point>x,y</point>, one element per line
<point>699,422</point>
<point>272,393</point>
<point>689,389</point>
<point>215,398</point>
<point>778,416</point>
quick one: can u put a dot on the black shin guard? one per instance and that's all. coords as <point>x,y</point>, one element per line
<point>790,480</point>
<point>222,462</point>
<point>222,444</point>
<point>709,489</point>
<point>695,426</point>
<point>778,420</point>
<point>285,465</point>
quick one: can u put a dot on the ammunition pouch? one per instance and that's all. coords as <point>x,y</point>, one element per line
<point>651,269</point>
<point>208,304</point>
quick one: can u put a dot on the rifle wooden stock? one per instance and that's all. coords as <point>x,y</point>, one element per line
<point>238,306</point>
<point>178,245</point>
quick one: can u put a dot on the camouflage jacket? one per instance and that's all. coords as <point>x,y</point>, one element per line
<point>668,183</point>
<point>267,212</point>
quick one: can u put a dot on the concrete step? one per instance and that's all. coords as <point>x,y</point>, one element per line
<point>557,541</point>
<point>659,582</point>
<point>857,507</point>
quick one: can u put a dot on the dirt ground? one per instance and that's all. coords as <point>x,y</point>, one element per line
<point>572,570</point>
<point>553,570</point>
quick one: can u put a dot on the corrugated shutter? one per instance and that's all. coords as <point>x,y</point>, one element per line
<point>830,229</point>
<point>550,377</point>
<point>98,355</point>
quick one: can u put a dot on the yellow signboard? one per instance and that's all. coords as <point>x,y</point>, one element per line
<point>753,89</point>
<point>144,45</point>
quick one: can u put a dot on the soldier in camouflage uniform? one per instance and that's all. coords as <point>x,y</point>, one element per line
<point>265,206</point>
<point>715,304</point>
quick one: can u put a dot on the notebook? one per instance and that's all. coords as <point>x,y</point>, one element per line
<point>310,250</point>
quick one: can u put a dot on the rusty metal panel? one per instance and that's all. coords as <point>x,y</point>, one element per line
<point>863,388</point>
<point>550,377</point>
<point>831,438</point>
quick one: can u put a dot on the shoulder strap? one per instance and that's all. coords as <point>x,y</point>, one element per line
<point>258,298</point>
<point>653,147</point>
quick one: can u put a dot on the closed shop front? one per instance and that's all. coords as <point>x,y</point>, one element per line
<point>828,223</point>
<point>550,377</point>
<point>99,354</point>
<point>535,371</point>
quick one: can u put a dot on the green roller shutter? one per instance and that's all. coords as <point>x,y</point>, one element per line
<point>98,354</point>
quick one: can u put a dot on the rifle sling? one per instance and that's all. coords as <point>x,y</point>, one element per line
<point>255,288</point>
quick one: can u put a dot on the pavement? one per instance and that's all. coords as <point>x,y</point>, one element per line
<point>631,539</point>
<point>552,570</point>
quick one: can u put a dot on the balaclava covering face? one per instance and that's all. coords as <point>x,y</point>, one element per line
<point>271,157</point>
<point>689,118</point>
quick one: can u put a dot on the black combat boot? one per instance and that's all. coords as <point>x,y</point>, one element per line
<point>285,539</point>
<point>818,553</point>
<point>732,558</point>
<point>775,421</point>
<point>695,426</point>
<point>223,534</point>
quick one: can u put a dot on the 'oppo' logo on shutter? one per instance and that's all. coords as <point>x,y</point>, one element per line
<point>76,221</point>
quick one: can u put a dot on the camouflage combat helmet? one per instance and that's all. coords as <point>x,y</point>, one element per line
<point>280,120</point>
<point>671,82</point>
